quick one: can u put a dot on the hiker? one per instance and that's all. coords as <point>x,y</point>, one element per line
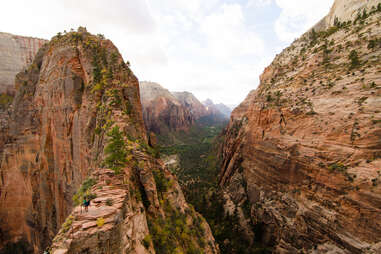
<point>86,204</point>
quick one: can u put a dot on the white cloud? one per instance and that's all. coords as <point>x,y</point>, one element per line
<point>258,3</point>
<point>227,35</point>
<point>298,16</point>
<point>215,49</point>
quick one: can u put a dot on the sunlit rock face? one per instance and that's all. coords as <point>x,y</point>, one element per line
<point>16,53</point>
<point>162,112</point>
<point>76,99</point>
<point>302,154</point>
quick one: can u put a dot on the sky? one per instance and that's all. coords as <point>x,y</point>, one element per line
<point>213,48</point>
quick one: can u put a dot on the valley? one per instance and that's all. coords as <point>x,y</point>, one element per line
<point>94,160</point>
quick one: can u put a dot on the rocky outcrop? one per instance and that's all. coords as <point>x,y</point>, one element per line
<point>77,119</point>
<point>16,53</point>
<point>162,112</point>
<point>345,10</point>
<point>302,154</point>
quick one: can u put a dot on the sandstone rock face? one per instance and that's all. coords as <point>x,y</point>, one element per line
<point>166,113</point>
<point>162,112</point>
<point>118,220</point>
<point>16,53</point>
<point>345,10</point>
<point>77,108</point>
<point>203,114</point>
<point>302,153</point>
<point>189,101</point>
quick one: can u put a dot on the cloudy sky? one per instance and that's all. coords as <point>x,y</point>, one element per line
<point>214,48</point>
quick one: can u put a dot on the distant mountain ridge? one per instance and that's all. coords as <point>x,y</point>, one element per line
<point>220,107</point>
<point>165,111</point>
<point>162,111</point>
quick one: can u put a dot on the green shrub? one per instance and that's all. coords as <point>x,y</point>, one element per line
<point>161,181</point>
<point>337,167</point>
<point>84,191</point>
<point>67,224</point>
<point>109,202</point>
<point>172,234</point>
<point>5,100</point>
<point>115,150</point>
<point>353,57</point>
<point>97,87</point>
<point>147,241</point>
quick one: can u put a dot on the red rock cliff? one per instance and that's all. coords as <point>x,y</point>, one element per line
<point>76,99</point>
<point>302,153</point>
<point>162,112</point>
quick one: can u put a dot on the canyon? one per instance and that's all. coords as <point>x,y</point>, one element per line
<point>301,157</point>
<point>167,114</point>
<point>294,168</point>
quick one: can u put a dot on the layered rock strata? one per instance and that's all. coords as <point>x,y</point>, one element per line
<point>75,116</point>
<point>302,153</point>
<point>16,53</point>
<point>162,112</point>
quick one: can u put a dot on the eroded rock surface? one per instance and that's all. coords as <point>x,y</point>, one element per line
<point>16,53</point>
<point>302,153</point>
<point>76,110</point>
<point>162,112</point>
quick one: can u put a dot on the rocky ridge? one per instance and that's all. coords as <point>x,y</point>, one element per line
<point>301,160</point>
<point>76,129</point>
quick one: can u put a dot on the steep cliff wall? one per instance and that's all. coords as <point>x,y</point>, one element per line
<point>189,101</point>
<point>201,113</point>
<point>302,153</point>
<point>345,10</point>
<point>76,114</point>
<point>162,112</point>
<point>16,53</point>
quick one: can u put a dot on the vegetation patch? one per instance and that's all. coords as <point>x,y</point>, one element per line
<point>337,167</point>
<point>116,153</point>
<point>173,234</point>
<point>100,221</point>
<point>84,191</point>
<point>67,224</point>
<point>147,241</point>
<point>5,100</point>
